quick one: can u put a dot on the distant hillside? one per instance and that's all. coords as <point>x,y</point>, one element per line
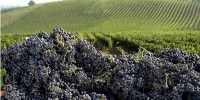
<point>104,16</point>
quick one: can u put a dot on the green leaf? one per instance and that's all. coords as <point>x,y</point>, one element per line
<point>2,73</point>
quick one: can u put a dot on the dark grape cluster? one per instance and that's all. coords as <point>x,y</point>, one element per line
<point>61,66</point>
<point>177,56</point>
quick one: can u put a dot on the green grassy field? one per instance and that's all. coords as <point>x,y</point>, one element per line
<point>153,24</point>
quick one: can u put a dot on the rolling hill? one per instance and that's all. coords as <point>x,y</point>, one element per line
<point>104,16</point>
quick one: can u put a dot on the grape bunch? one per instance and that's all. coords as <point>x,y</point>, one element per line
<point>61,66</point>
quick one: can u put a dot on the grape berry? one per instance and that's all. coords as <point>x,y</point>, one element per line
<point>61,66</point>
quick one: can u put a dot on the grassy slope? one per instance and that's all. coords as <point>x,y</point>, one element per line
<point>105,16</point>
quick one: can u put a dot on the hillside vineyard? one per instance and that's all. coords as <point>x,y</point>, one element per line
<point>105,16</point>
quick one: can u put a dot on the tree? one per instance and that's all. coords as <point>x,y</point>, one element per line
<point>31,3</point>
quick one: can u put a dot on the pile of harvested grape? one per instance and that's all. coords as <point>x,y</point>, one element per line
<point>60,66</point>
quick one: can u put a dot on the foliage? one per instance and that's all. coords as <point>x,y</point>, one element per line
<point>130,41</point>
